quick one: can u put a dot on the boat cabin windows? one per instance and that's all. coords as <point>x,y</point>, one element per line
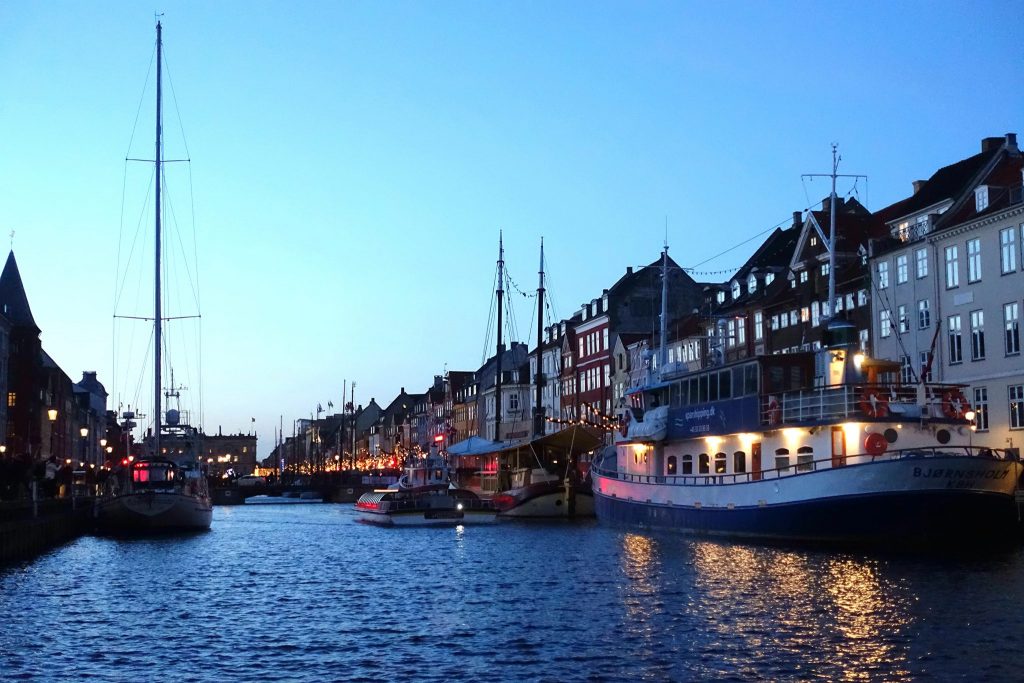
<point>717,385</point>
<point>670,467</point>
<point>804,459</point>
<point>782,459</point>
<point>687,464</point>
<point>703,464</point>
<point>720,463</point>
<point>153,473</point>
<point>739,462</point>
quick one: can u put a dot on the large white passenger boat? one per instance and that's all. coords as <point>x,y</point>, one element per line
<point>754,449</point>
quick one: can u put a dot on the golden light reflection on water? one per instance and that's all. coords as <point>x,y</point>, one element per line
<point>866,614</point>
<point>820,611</point>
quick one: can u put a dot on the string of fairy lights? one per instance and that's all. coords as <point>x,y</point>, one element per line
<point>595,418</point>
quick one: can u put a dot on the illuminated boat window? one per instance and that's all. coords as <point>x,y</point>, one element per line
<point>670,467</point>
<point>720,463</point>
<point>739,462</point>
<point>782,459</point>
<point>804,459</point>
<point>704,464</point>
<point>687,464</point>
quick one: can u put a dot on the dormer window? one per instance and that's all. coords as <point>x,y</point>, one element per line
<point>735,289</point>
<point>720,297</point>
<point>803,276</point>
<point>981,198</point>
<point>751,284</point>
<point>769,278</point>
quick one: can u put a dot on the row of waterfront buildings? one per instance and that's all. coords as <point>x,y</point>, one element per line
<point>45,414</point>
<point>934,281</point>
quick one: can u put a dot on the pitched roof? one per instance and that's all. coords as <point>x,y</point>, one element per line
<point>13,301</point>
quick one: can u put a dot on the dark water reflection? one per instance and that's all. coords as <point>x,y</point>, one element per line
<point>303,593</point>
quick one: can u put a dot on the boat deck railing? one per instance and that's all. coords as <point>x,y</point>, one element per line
<point>805,467</point>
<point>851,401</point>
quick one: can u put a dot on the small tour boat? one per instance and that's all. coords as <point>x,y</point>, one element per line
<point>424,496</point>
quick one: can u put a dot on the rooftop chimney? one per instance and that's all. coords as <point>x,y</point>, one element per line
<point>629,270</point>
<point>918,184</point>
<point>1011,142</point>
<point>798,218</point>
<point>988,144</point>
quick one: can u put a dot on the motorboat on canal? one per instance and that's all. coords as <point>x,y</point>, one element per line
<point>425,496</point>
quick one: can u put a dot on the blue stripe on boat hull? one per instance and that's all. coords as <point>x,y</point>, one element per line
<point>927,518</point>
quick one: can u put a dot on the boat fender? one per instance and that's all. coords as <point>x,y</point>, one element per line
<point>954,404</point>
<point>874,403</point>
<point>875,444</point>
<point>351,491</point>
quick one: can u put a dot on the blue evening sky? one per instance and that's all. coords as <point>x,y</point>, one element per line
<point>352,162</point>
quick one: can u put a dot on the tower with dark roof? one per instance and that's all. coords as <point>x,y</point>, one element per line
<point>24,365</point>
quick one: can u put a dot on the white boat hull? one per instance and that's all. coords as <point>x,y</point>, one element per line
<point>154,511</point>
<point>907,500</point>
<point>428,517</point>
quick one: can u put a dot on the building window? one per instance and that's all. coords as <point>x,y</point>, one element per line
<point>1016,392</point>
<point>973,260</point>
<point>751,284</point>
<point>794,317</point>
<point>12,399</point>
<point>735,289</point>
<point>1007,250</point>
<point>981,197</point>
<point>924,315</point>
<point>1011,322</point>
<point>921,258</point>
<point>977,335</point>
<point>720,297</point>
<point>885,323</point>
<point>769,278</point>
<point>952,267</point>
<point>775,322</point>
<point>906,370</point>
<point>805,314</point>
<point>824,269</point>
<point>758,325</point>
<point>815,316</point>
<point>904,322</point>
<point>883,274</point>
<point>980,407</point>
<point>862,299</point>
<point>741,331</point>
<point>513,401</point>
<point>730,335</point>
<point>803,276</point>
<point>901,269</point>
<point>956,342</point>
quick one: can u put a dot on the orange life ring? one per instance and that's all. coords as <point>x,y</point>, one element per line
<point>875,443</point>
<point>774,411</point>
<point>954,404</point>
<point>874,403</point>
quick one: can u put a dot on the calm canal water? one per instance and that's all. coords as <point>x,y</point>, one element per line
<point>305,593</point>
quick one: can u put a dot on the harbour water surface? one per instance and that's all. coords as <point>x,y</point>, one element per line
<point>305,593</point>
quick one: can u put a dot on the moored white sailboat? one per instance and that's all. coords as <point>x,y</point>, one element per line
<point>166,488</point>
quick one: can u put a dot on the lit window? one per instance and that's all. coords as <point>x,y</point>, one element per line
<point>720,459</point>
<point>12,399</point>
<point>1016,395</point>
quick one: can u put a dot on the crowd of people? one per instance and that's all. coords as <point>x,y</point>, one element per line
<point>53,478</point>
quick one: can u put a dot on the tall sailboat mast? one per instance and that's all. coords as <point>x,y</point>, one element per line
<point>538,410</point>
<point>157,322</point>
<point>663,326</point>
<point>497,358</point>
